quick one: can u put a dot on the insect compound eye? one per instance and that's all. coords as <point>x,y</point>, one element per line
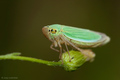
<point>49,30</point>
<point>53,31</point>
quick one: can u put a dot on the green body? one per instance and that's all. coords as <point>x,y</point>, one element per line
<point>79,37</point>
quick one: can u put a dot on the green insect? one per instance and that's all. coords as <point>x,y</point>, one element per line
<point>76,37</point>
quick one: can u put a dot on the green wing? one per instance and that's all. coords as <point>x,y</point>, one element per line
<point>79,34</point>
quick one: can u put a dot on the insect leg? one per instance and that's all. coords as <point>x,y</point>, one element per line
<point>64,50</point>
<point>53,48</point>
<point>60,56</point>
<point>64,39</point>
<point>68,52</point>
<point>87,52</point>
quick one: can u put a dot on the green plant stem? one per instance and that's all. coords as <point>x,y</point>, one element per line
<point>77,59</point>
<point>15,57</point>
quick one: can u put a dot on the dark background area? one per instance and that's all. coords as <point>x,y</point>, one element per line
<point>21,22</point>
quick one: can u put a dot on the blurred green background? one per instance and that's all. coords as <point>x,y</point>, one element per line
<point>21,22</point>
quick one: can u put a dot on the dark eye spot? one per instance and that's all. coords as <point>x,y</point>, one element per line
<point>51,30</point>
<point>55,30</point>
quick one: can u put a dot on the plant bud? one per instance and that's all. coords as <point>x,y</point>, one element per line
<point>77,59</point>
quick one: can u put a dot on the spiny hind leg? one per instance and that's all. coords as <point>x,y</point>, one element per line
<point>66,48</point>
<point>88,53</point>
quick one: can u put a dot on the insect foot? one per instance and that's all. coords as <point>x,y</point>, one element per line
<point>77,59</point>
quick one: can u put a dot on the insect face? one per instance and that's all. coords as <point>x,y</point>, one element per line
<point>50,32</point>
<point>53,31</point>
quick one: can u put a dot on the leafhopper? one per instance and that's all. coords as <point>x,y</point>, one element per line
<point>78,38</point>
